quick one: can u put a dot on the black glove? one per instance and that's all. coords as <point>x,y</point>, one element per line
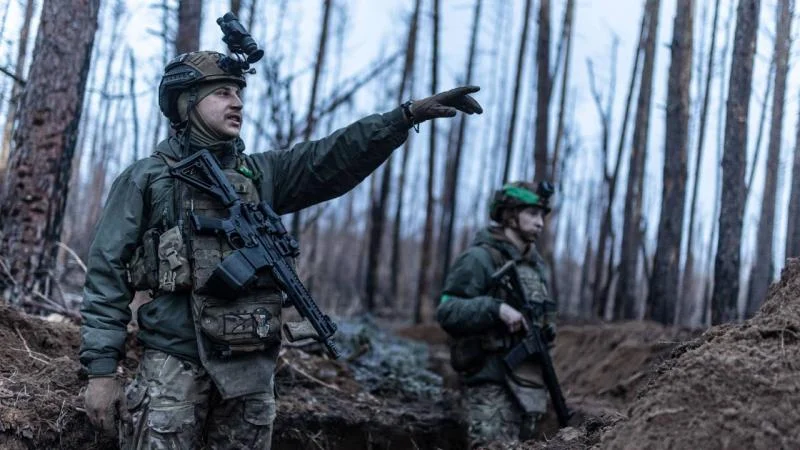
<point>445,104</point>
<point>549,332</point>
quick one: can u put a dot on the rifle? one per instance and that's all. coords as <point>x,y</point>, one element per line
<point>533,345</point>
<point>259,239</point>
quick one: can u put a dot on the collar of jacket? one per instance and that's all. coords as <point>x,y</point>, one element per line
<point>227,153</point>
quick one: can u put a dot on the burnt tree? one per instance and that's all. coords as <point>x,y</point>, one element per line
<point>688,271</point>
<point>540,152</point>
<point>764,269</point>
<point>16,89</point>
<point>427,238</point>
<point>450,198</point>
<point>664,282</point>
<point>626,303</point>
<point>377,217</point>
<point>37,182</point>
<point>512,120</point>
<point>190,13</point>
<point>793,220</point>
<point>734,159</point>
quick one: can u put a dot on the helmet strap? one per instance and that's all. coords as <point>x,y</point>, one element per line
<point>187,124</point>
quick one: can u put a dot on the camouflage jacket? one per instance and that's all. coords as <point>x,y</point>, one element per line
<point>470,304</point>
<point>142,197</point>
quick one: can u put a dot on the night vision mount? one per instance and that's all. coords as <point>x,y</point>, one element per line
<point>244,50</point>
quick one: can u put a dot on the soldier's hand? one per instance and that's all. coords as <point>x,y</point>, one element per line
<point>446,104</point>
<point>105,403</point>
<point>513,319</point>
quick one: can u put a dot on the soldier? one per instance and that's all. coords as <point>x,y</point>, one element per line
<point>500,405</point>
<point>206,376</point>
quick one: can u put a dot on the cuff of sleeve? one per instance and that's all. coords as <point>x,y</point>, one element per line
<point>397,119</point>
<point>102,367</point>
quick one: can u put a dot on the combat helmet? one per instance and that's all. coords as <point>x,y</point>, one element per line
<point>188,70</point>
<point>520,193</point>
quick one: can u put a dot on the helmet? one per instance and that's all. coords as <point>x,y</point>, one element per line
<point>190,69</point>
<point>520,193</point>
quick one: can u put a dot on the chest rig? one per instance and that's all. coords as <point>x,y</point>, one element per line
<point>249,322</point>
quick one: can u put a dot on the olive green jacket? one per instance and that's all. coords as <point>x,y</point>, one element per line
<point>142,197</point>
<point>470,304</point>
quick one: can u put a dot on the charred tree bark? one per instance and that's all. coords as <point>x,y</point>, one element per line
<point>427,239</point>
<point>764,270</point>
<point>626,303</point>
<point>540,152</point>
<point>688,272</point>
<point>512,121</point>
<point>450,200</point>
<point>39,167</point>
<point>16,89</point>
<point>378,206</point>
<point>663,294</point>
<point>190,13</point>
<point>727,264</point>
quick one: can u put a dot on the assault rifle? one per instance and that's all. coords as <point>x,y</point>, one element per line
<point>258,239</point>
<point>533,345</point>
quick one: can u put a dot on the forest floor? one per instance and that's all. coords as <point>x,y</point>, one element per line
<point>632,384</point>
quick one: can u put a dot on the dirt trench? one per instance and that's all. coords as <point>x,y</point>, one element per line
<point>632,384</point>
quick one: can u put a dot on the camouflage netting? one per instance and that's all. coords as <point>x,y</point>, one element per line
<point>737,386</point>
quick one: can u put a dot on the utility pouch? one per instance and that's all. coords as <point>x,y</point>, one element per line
<point>244,325</point>
<point>143,266</point>
<point>467,354</point>
<point>174,273</point>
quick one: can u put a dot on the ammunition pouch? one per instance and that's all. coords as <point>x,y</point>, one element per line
<point>160,263</point>
<point>468,354</point>
<point>143,266</point>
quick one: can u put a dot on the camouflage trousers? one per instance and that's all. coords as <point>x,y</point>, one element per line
<point>175,405</point>
<point>494,414</point>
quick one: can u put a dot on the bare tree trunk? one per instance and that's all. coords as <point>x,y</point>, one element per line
<point>688,273</point>
<point>734,160</point>
<point>378,206</point>
<point>310,119</point>
<point>411,47</point>
<point>450,200</point>
<point>190,14</point>
<point>602,289</point>
<point>540,152</point>
<point>793,220</point>
<point>764,269</point>
<point>626,304</point>
<point>39,167</point>
<point>663,294</point>
<point>16,89</point>
<point>512,121</point>
<point>421,298</point>
<point>236,5</point>
<point>567,26</point>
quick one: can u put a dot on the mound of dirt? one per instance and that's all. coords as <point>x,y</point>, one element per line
<point>737,386</point>
<point>40,382</point>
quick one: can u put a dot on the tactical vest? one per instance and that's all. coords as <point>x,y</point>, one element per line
<point>238,339</point>
<point>469,354</point>
<point>252,321</point>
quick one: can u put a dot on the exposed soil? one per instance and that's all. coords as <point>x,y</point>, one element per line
<point>632,384</point>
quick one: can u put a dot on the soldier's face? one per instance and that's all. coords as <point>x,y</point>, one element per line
<point>222,111</point>
<point>530,223</point>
